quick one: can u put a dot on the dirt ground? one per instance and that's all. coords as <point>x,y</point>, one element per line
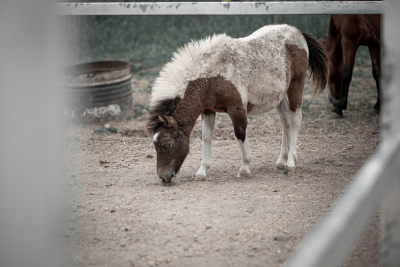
<point>121,214</point>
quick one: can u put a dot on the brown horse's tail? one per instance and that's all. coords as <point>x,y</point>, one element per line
<point>317,62</point>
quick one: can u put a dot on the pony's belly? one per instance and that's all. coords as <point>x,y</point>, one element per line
<point>259,108</point>
<point>263,103</point>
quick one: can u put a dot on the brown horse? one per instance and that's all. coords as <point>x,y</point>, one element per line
<point>249,75</point>
<point>346,34</point>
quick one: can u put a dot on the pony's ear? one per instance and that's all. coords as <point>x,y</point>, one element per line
<point>152,123</point>
<point>163,119</point>
<point>167,121</point>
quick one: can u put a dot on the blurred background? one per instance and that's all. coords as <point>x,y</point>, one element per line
<point>148,41</point>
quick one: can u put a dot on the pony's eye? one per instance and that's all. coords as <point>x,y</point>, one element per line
<point>166,146</point>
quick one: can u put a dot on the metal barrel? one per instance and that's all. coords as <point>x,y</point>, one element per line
<point>97,84</point>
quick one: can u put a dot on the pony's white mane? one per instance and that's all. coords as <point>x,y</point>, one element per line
<point>190,62</point>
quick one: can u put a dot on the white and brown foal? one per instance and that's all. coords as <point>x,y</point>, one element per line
<point>249,75</point>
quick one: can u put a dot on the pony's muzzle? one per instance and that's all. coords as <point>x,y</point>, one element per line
<point>167,176</point>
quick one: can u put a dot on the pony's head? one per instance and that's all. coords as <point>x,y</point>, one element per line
<point>170,142</point>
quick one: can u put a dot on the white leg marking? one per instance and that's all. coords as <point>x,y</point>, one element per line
<point>283,111</point>
<point>207,132</point>
<point>294,126</point>
<point>246,158</point>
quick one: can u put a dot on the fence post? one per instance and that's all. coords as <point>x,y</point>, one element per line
<point>390,125</point>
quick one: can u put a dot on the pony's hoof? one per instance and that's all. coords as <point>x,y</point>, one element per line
<point>200,177</point>
<point>201,174</point>
<point>244,172</point>
<point>289,168</point>
<point>280,165</point>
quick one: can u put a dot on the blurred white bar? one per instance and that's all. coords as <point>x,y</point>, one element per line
<point>221,8</point>
<point>390,125</point>
<point>30,134</point>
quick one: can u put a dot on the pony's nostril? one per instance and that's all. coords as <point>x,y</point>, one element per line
<point>167,176</point>
<point>166,180</point>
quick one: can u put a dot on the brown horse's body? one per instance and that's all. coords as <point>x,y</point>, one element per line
<point>346,34</point>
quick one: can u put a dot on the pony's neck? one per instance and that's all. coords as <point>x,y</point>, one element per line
<point>191,105</point>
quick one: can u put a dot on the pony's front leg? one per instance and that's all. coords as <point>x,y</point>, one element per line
<point>208,127</point>
<point>239,119</point>
<point>246,158</point>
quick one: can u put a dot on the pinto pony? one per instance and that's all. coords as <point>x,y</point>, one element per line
<point>346,34</point>
<point>249,75</point>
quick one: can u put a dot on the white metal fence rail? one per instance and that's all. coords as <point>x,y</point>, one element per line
<point>378,181</point>
<point>221,8</point>
<point>332,240</point>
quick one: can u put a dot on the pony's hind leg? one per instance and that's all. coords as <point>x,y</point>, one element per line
<point>293,113</point>
<point>208,127</point>
<point>283,109</point>
<point>295,124</point>
<point>291,122</point>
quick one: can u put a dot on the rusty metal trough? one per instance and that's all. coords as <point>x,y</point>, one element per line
<point>98,84</point>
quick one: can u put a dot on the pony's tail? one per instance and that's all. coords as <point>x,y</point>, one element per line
<point>317,62</point>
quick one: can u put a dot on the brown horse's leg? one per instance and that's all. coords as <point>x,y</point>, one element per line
<point>375,53</point>
<point>238,116</point>
<point>333,48</point>
<point>349,51</point>
<point>335,70</point>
